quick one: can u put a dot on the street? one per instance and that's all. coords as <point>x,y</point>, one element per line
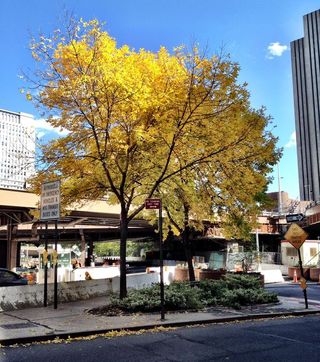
<point>286,339</point>
<point>295,291</point>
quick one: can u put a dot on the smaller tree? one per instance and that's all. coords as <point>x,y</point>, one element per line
<point>228,189</point>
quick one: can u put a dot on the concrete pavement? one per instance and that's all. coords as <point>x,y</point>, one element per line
<point>73,320</point>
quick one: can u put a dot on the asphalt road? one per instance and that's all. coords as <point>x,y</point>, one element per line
<point>294,290</point>
<point>289,339</point>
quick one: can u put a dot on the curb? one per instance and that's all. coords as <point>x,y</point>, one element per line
<point>65,335</point>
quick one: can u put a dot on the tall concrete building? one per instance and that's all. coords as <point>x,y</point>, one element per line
<point>305,56</point>
<point>17,149</point>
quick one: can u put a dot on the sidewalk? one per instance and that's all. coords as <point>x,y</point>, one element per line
<point>71,319</point>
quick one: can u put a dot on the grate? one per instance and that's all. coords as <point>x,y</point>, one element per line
<point>18,325</point>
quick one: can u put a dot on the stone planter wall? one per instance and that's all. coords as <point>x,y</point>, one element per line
<point>29,296</point>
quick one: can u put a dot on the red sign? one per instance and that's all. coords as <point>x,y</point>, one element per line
<point>153,204</point>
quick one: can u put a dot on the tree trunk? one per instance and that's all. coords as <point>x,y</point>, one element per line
<point>123,253</point>
<point>188,253</point>
<point>186,243</point>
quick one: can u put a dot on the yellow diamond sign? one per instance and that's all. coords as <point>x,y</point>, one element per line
<point>296,235</point>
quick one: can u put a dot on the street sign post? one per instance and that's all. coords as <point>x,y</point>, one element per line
<point>45,262</point>
<point>50,201</point>
<point>294,218</point>
<point>155,204</point>
<point>296,237</point>
<point>50,210</point>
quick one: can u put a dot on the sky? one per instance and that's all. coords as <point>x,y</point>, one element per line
<point>256,34</point>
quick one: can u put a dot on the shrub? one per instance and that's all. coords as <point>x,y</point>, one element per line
<point>240,297</point>
<point>140,300</point>
<point>211,291</point>
<point>246,281</point>
<point>232,291</point>
<point>177,296</point>
<point>215,292</point>
<point>182,296</point>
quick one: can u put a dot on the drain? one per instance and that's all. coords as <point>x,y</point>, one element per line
<point>18,325</point>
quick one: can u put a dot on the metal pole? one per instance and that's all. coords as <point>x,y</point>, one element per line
<point>161,264</point>
<point>279,192</point>
<point>45,291</point>
<point>258,250</point>
<point>55,300</point>
<point>302,276</point>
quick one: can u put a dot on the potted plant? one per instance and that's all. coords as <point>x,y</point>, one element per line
<point>211,274</point>
<point>181,273</point>
<point>315,273</point>
<point>296,269</point>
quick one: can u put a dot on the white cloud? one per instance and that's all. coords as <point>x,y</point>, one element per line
<point>292,141</point>
<point>42,127</point>
<point>276,50</point>
<point>40,134</point>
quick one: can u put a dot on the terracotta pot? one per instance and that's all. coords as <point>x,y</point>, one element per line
<point>196,273</point>
<point>181,275</point>
<point>314,274</point>
<point>292,269</point>
<point>210,274</point>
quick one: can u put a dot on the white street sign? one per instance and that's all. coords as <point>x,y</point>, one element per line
<point>50,201</point>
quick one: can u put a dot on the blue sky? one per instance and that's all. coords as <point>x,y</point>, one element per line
<point>257,34</point>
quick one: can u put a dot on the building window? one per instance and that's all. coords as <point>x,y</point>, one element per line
<point>292,252</point>
<point>313,251</point>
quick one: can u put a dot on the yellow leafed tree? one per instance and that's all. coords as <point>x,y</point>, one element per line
<point>228,188</point>
<point>135,119</point>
